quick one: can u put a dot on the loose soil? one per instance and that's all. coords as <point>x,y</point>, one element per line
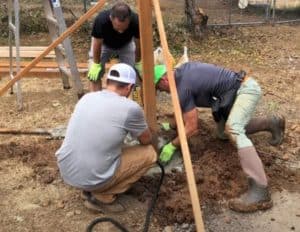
<point>34,198</point>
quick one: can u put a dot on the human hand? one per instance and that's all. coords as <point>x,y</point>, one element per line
<point>167,153</point>
<point>94,71</point>
<point>165,126</point>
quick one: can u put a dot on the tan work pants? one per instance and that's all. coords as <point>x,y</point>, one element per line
<point>135,162</point>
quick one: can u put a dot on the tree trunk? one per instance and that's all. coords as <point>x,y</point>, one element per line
<point>196,18</point>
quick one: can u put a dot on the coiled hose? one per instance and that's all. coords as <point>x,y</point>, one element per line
<point>148,215</point>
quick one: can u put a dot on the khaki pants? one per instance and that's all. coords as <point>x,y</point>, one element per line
<point>242,110</point>
<point>135,162</point>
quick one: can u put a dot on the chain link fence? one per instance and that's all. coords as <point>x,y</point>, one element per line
<point>220,12</point>
<point>227,12</point>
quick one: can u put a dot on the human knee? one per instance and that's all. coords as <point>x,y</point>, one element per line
<point>231,129</point>
<point>252,87</point>
<point>150,153</point>
<point>237,136</point>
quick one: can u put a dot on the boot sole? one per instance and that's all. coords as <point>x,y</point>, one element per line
<point>250,208</point>
<point>93,204</point>
<point>93,207</point>
<point>85,195</point>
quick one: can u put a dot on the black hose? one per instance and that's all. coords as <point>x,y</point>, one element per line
<point>105,219</point>
<point>154,198</point>
<point>148,215</point>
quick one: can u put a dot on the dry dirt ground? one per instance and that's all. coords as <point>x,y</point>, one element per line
<point>34,198</point>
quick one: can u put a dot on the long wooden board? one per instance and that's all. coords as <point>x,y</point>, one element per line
<point>25,52</point>
<point>42,72</point>
<point>179,121</point>
<point>43,64</point>
<point>46,69</point>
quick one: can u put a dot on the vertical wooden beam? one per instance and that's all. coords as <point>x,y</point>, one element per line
<point>146,39</point>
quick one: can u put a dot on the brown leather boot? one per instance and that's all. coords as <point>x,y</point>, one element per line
<point>256,198</point>
<point>94,204</point>
<point>220,131</point>
<point>277,127</point>
<point>274,124</point>
<point>85,194</point>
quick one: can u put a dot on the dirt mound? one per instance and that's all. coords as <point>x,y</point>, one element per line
<point>218,176</point>
<point>216,166</point>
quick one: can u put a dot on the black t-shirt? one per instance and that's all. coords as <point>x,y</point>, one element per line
<point>103,29</point>
<point>198,83</point>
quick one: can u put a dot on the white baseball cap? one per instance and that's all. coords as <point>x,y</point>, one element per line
<point>122,72</point>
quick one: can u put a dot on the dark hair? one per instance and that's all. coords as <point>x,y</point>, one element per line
<point>121,11</point>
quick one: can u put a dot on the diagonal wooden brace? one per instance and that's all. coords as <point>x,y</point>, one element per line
<point>55,43</point>
<point>179,121</point>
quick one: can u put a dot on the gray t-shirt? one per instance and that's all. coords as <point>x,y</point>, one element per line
<point>197,83</point>
<point>90,153</point>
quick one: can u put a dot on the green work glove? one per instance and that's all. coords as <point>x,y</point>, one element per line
<point>94,71</point>
<point>166,126</point>
<point>167,153</point>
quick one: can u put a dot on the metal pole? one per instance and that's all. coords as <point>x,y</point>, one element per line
<point>235,24</point>
<point>17,42</point>
<point>288,21</point>
<point>84,5</point>
<point>230,11</point>
<point>267,11</point>
<point>14,33</point>
<point>273,12</point>
<point>10,37</point>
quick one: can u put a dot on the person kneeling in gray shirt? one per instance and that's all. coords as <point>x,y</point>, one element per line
<point>93,157</point>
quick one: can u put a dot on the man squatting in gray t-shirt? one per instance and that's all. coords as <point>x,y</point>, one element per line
<point>92,156</point>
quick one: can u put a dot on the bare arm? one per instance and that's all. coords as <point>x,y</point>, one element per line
<point>190,120</point>
<point>97,44</point>
<point>146,137</point>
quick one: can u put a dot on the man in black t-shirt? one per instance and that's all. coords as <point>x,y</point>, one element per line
<point>115,33</point>
<point>233,98</point>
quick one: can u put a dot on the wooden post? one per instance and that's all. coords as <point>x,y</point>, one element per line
<point>179,121</point>
<point>56,42</point>
<point>146,36</point>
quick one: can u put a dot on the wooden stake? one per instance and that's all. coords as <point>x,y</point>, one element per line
<point>145,24</point>
<point>25,132</point>
<point>56,42</point>
<point>179,121</point>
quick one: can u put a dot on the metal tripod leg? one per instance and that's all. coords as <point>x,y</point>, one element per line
<point>64,52</point>
<point>14,31</point>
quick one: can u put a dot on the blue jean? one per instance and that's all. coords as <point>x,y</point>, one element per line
<point>242,110</point>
